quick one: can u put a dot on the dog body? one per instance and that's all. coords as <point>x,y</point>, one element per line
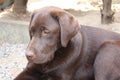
<point>107,65</point>
<point>93,38</point>
<point>61,49</point>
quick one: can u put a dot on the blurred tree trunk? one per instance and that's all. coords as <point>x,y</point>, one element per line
<point>2,1</point>
<point>107,15</point>
<point>20,6</point>
<point>5,3</point>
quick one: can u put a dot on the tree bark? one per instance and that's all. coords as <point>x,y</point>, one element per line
<point>107,15</point>
<point>5,3</point>
<point>2,1</point>
<point>20,6</point>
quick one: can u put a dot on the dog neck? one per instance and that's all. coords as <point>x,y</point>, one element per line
<point>65,57</point>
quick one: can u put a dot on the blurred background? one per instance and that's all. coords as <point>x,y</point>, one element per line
<point>15,17</point>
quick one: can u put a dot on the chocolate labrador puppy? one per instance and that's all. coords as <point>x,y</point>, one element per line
<point>62,49</point>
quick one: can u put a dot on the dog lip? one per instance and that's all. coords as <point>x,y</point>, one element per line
<point>39,62</point>
<point>42,61</point>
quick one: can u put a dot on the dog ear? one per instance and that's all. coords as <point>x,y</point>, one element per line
<point>30,24</point>
<point>68,23</point>
<point>32,16</point>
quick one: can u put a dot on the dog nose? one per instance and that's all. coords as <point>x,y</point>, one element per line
<point>30,55</point>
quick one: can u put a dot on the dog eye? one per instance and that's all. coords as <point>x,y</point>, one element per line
<point>45,31</point>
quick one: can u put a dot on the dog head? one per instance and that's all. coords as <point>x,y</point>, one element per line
<point>49,27</point>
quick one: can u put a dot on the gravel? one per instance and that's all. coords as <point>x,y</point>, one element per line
<point>12,60</point>
<point>14,38</point>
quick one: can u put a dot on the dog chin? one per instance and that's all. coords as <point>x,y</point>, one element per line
<point>41,62</point>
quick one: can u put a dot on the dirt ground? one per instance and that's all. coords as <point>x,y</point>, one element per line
<point>13,59</point>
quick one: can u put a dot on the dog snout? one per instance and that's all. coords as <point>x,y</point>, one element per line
<point>30,55</point>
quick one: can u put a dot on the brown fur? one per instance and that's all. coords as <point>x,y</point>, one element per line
<point>107,62</point>
<point>61,49</point>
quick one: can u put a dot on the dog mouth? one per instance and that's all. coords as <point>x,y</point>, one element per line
<point>40,61</point>
<point>41,56</point>
<point>43,60</point>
